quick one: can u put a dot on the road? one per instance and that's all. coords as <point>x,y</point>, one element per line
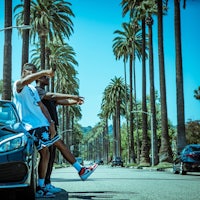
<point>118,183</point>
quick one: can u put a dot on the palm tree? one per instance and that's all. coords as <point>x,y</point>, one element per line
<point>152,9</point>
<point>50,19</point>
<point>7,60</point>
<point>181,137</point>
<point>128,44</point>
<point>149,22</point>
<point>114,100</point>
<point>25,33</point>
<point>137,11</point>
<point>165,149</point>
<point>128,7</point>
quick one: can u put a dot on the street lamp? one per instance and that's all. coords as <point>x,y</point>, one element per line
<point>23,27</point>
<point>152,135</point>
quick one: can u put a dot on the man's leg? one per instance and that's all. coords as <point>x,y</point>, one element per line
<point>49,186</point>
<point>84,172</point>
<point>42,169</point>
<point>52,152</point>
<point>43,164</point>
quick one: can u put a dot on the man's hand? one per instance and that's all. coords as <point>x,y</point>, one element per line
<point>80,100</point>
<point>52,130</point>
<point>50,72</point>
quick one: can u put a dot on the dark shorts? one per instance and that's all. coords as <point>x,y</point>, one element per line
<point>42,138</point>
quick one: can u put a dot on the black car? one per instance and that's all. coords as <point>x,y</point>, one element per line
<point>18,157</point>
<point>188,160</point>
<point>117,161</point>
<point>99,162</point>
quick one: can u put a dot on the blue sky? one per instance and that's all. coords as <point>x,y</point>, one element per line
<point>94,25</point>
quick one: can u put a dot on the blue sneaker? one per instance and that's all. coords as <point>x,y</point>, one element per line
<point>52,189</point>
<point>42,192</point>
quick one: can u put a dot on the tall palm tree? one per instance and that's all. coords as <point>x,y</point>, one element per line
<point>181,137</point>
<point>152,10</point>
<point>114,99</point>
<point>149,22</point>
<point>50,19</point>
<point>7,59</point>
<point>137,11</point>
<point>25,33</point>
<point>165,149</point>
<point>128,44</point>
<point>128,6</point>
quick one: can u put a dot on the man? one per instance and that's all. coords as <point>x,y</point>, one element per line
<point>38,122</point>
<point>51,100</point>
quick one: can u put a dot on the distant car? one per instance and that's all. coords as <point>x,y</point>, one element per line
<point>18,157</point>
<point>188,160</point>
<point>117,161</point>
<point>99,162</point>
<point>80,160</point>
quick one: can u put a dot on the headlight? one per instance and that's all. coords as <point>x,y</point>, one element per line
<point>13,142</point>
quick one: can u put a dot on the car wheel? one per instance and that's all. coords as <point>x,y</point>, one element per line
<point>182,171</point>
<point>30,191</point>
<point>175,171</point>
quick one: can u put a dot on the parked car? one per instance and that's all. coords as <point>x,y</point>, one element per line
<point>80,160</point>
<point>99,162</point>
<point>18,157</point>
<point>188,160</point>
<point>117,161</point>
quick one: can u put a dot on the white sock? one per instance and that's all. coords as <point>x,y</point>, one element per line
<point>41,182</point>
<point>77,166</point>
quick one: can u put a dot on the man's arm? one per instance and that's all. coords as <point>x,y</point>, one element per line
<point>32,77</point>
<point>69,102</point>
<point>48,116</point>
<point>60,96</point>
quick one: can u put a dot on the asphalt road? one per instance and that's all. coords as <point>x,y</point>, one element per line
<point>117,183</point>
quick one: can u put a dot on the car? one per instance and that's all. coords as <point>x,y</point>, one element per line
<point>80,160</point>
<point>117,161</point>
<point>188,160</point>
<point>18,156</point>
<point>99,162</point>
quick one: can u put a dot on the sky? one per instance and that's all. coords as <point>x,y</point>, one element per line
<point>94,25</point>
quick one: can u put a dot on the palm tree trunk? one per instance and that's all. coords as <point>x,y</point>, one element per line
<point>114,137</point>
<point>181,138</point>
<point>118,128</point>
<point>152,91</point>
<point>25,37</point>
<point>126,111</point>
<point>145,146</point>
<point>132,151</point>
<point>42,53</point>
<point>165,149</point>
<point>7,62</point>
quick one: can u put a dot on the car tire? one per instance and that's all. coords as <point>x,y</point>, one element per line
<point>175,171</point>
<point>182,171</point>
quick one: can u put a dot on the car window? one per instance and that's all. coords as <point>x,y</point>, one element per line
<point>7,114</point>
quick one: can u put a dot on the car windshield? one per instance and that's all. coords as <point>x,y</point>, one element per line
<point>7,114</point>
